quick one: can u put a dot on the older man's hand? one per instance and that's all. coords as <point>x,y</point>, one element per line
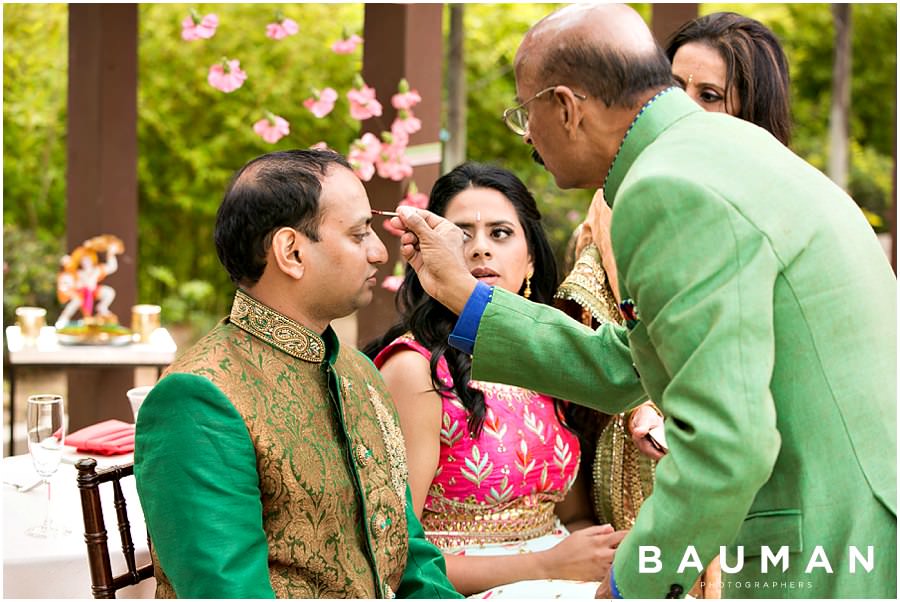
<point>643,419</point>
<point>433,246</point>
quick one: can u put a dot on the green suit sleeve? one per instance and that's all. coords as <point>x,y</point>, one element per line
<point>702,278</point>
<point>541,348</point>
<point>196,475</point>
<point>425,575</point>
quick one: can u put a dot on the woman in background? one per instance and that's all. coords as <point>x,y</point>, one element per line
<point>491,467</point>
<point>733,64</point>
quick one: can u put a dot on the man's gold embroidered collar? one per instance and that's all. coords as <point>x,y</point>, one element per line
<point>276,329</point>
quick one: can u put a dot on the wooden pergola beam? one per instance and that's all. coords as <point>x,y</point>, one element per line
<point>101,176</point>
<point>667,18</point>
<point>401,40</point>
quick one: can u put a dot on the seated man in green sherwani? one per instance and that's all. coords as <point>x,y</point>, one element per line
<point>760,313</point>
<point>269,459</point>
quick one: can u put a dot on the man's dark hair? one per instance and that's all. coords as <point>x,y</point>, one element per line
<point>270,192</point>
<point>756,66</point>
<point>615,77</point>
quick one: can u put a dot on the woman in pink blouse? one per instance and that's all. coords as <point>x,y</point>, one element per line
<point>491,467</point>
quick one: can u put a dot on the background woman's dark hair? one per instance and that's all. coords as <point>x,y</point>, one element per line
<point>429,321</point>
<point>756,66</point>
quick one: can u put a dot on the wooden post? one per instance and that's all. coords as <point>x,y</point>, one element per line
<point>455,146</point>
<point>101,177</point>
<point>838,167</point>
<point>666,18</point>
<point>401,40</point>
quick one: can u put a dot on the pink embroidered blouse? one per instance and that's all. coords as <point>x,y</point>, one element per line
<point>502,485</point>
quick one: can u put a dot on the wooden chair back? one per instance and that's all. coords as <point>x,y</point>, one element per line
<point>103,583</point>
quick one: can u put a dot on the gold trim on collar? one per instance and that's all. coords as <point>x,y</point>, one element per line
<point>265,323</point>
<point>588,286</point>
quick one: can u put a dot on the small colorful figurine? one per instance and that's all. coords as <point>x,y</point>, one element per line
<point>78,284</point>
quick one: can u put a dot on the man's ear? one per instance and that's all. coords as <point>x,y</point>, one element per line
<point>570,109</point>
<point>287,250</point>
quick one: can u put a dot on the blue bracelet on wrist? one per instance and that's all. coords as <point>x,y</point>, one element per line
<point>466,329</point>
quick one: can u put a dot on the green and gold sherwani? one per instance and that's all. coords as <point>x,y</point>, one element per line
<point>269,461</point>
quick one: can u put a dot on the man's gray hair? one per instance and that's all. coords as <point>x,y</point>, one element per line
<point>616,78</point>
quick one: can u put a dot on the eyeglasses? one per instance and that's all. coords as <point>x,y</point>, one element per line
<point>516,118</point>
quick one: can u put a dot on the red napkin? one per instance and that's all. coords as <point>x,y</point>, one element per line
<point>108,438</point>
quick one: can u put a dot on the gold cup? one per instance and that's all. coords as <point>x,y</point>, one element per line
<point>144,320</point>
<point>30,321</point>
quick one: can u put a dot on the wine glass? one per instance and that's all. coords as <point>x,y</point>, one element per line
<point>46,436</point>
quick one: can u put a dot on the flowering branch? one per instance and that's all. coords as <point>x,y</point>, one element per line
<point>384,154</point>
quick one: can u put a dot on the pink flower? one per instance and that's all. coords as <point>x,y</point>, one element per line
<point>406,122</point>
<point>363,154</point>
<point>392,283</point>
<point>363,103</point>
<point>278,31</point>
<point>368,147</point>
<point>364,171</point>
<point>406,100</point>
<point>272,129</point>
<point>347,46</point>
<point>414,198</point>
<point>321,103</point>
<point>195,28</point>
<point>321,145</point>
<point>398,136</point>
<point>397,168</point>
<point>226,75</point>
<point>393,163</point>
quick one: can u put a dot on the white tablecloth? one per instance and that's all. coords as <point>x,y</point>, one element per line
<point>58,568</point>
<point>47,351</point>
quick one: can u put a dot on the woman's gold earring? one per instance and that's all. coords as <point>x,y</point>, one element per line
<point>527,293</point>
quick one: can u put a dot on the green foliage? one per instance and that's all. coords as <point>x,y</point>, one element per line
<point>29,272</point>
<point>184,303</point>
<point>870,184</point>
<point>34,134</point>
<point>34,119</point>
<point>874,83</point>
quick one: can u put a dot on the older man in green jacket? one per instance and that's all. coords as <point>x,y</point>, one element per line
<point>761,317</point>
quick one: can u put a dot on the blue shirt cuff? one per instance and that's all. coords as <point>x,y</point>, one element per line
<point>612,585</point>
<point>463,335</point>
